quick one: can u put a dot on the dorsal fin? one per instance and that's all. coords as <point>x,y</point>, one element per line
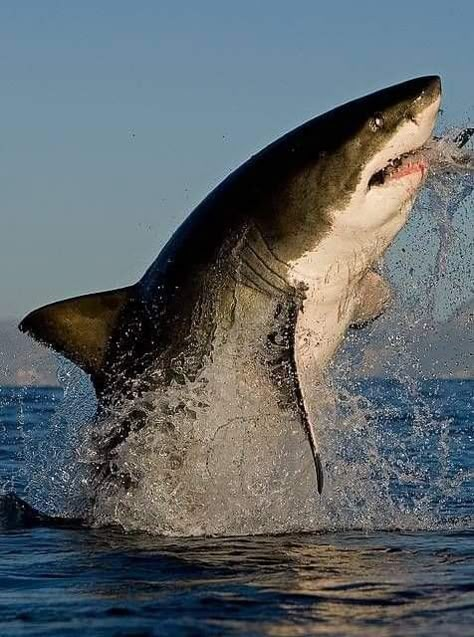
<point>79,328</point>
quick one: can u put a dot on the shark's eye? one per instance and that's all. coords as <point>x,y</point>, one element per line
<point>377,122</point>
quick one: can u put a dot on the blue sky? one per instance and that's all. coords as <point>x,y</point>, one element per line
<point>117,118</point>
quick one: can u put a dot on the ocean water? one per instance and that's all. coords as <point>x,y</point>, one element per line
<point>351,579</point>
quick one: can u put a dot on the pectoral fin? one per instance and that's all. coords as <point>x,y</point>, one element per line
<point>373,298</point>
<point>79,328</point>
<point>287,374</point>
<point>308,426</point>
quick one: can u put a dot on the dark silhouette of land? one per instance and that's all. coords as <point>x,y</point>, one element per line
<point>22,361</point>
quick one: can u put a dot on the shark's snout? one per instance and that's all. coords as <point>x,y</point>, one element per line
<point>430,86</point>
<point>424,107</point>
<point>419,93</point>
<point>432,90</point>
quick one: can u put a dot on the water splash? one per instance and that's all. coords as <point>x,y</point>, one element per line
<point>395,469</point>
<point>57,481</point>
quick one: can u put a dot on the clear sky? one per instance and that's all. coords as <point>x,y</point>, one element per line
<point>117,118</point>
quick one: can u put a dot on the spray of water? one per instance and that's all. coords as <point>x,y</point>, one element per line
<point>194,468</point>
<point>391,451</point>
<point>57,481</point>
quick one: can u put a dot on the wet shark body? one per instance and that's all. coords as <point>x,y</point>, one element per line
<point>267,273</point>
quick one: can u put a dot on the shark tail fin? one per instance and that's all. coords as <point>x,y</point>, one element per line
<point>79,328</point>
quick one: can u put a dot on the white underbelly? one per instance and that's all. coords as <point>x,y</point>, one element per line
<point>331,275</point>
<point>320,329</point>
<point>321,326</point>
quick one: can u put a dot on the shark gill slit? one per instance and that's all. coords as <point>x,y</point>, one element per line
<point>285,286</point>
<point>260,278</point>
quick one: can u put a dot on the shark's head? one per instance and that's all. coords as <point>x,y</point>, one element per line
<point>394,126</point>
<point>355,168</point>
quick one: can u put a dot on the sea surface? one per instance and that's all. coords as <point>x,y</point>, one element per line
<point>418,581</point>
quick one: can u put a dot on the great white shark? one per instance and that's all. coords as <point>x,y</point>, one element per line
<point>266,274</point>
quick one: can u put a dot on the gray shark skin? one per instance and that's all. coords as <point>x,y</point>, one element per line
<point>280,255</point>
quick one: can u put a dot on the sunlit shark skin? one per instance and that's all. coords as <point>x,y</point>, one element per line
<point>273,266</point>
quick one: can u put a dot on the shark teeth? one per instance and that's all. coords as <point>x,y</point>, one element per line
<point>379,178</point>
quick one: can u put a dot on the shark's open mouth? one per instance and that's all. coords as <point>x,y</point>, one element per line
<point>406,164</point>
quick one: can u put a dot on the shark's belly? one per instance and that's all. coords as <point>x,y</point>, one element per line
<point>321,326</point>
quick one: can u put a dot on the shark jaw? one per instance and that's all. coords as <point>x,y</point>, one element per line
<point>410,140</point>
<point>402,166</point>
<point>392,178</point>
